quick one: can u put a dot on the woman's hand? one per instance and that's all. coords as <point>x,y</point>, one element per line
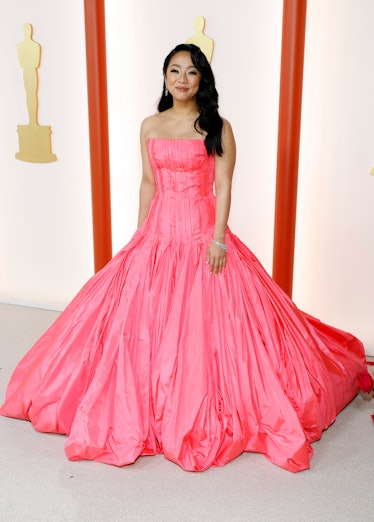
<point>215,258</point>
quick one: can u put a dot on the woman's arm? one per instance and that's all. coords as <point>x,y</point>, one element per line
<point>147,185</point>
<point>224,168</point>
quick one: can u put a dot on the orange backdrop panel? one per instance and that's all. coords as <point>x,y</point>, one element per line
<point>290,96</point>
<point>94,12</point>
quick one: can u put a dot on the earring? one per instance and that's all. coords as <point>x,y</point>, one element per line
<point>166,92</point>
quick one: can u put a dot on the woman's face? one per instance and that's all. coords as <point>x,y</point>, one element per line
<point>182,78</point>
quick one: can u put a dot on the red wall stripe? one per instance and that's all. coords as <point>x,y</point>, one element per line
<point>290,97</point>
<point>94,11</point>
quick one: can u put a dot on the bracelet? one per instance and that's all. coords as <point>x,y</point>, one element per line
<point>222,245</point>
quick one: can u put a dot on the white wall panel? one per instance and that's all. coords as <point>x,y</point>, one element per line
<point>335,223</point>
<point>45,209</point>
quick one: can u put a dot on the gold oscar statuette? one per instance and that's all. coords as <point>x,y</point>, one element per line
<point>34,139</point>
<point>200,39</point>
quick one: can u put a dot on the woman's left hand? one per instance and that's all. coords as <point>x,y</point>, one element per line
<point>215,258</point>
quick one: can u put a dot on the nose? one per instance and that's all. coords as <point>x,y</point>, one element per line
<point>184,77</point>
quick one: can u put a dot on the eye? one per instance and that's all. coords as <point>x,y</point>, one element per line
<point>194,73</point>
<point>174,70</point>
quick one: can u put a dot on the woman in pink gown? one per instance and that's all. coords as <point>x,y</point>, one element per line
<point>183,344</point>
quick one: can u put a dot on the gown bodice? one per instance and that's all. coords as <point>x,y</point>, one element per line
<point>184,204</point>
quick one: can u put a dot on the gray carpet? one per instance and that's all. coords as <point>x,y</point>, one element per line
<point>38,483</point>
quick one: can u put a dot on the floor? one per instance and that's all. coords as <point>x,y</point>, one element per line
<point>39,484</point>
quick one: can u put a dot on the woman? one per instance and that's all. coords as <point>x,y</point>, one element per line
<point>190,112</point>
<point>154,355</point>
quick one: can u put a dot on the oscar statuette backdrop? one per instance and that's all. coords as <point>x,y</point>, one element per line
<point>34,139</point>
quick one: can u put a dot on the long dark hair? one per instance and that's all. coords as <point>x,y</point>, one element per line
<point>209,119</point>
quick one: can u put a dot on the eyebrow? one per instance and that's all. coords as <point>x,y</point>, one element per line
<point>176,65</point>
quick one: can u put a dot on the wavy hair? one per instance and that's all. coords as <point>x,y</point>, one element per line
<point>209,119</point>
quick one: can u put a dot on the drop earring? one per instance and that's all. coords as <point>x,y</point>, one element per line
<point>166,92</point>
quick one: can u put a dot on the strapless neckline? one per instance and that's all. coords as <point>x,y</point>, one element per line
<point>175,139</point>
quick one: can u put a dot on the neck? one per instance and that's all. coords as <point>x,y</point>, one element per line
<point>185,111</point>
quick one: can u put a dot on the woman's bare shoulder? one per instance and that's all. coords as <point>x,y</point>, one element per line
<point>152,125</point>
<point>228,139</point>
<point>226,128</point>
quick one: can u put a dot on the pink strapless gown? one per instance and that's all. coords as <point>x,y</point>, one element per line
<point>155,355</point>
